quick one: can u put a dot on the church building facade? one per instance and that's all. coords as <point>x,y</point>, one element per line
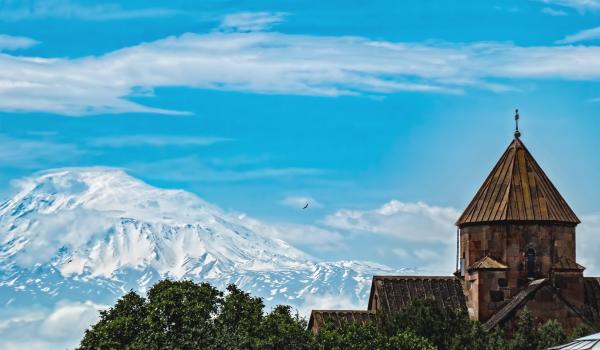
<point>516,249</point>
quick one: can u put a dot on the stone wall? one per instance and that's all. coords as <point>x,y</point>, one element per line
<point>509,243</point>
<point>487,292</point>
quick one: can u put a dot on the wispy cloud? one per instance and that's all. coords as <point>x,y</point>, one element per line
<point>35,154</point>
<point>154,141</point>
<point>275,63</point>
<point>300,235</point>
<point>193,169</point>
<point>554,12</point>
<point>58,328</point>
<point>300,202</point>
<point>251,21</point>
<point>580,5</point>
<point>9,42</point>
<point>594,100</point>
<point>584,35</point>
<point>65,9</point>
<point>424,234</point>
<point>410,221</point>
<point>588,244</point>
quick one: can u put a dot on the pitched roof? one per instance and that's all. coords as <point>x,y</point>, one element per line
<point>397,292</point>
<point>566,264</point>
<point>338,318</point>
<point>487,263</point>
<point>517,189</point>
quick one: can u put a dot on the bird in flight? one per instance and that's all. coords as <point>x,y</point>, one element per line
<point>306,206</point>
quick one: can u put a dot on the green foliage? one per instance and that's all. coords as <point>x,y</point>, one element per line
<point>445,328</point>
<point>408,341</point>
<point>239,319</point>
<point>180,315</point>
<point>353,337</point>
<point>367,337</point>
<point>119,327</point>
<point>496,340</point>
<point>551,333</point>
<point>187,315</point>
<point>428,320</point>
<point>530,336</point>
<point>526,336</point>
<point>581,331</point>
<point>282,330</point>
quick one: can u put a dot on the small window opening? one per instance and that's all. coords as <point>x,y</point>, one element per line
<point>530,262</point>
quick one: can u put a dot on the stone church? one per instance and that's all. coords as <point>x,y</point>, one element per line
<point>516,249</point>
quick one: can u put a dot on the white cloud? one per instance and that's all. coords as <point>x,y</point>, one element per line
<point>554,12</point>
<point>584,35</point>
<point>300,201</point>
<point>58,328</point>
<point>328,302</point>
<point>154,141</point>
<point>588,244</point>
<point>580,5</point>
<point>69,318</point>
<point>275,63</point>
<point>65,9</point>
<point>402,253</point>
<point>49,232</point>
<point>251,21</point>
<point>35,154</point>
<point>9,42</point>
<point>298,234</point>
<point>194,169</point>
<point>426,254</point>
<point>432,228</point>
<point>410,221</point>
<point>426,234</point>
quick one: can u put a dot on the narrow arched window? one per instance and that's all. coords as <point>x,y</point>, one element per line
<point>530,262</point>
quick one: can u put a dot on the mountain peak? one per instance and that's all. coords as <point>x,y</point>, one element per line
<point>107,190</point>
<point>99,231</point>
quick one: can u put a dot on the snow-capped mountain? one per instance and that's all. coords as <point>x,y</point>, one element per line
<point>95,233</point>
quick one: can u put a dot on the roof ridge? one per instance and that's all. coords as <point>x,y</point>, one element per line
<point>412,277</point>
<point>510,184</point>
<point>330,310</point>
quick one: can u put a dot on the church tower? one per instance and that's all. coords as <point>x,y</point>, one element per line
<point>515,250</point>
<point>517,230</point>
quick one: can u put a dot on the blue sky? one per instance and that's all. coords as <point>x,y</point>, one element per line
<point>387,115</point>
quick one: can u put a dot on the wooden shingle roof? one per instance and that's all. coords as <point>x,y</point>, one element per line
<point>391,294</point>
<point>517,189</point>
<point>338,318</point>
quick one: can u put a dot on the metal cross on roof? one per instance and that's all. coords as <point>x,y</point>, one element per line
<point>517,132</point>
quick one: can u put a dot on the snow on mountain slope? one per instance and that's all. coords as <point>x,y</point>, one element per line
<point>94,233</point>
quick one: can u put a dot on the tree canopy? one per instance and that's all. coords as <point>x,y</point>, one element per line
<point>188,315</point>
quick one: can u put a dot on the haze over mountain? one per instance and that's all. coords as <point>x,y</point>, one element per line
<point>91,234</point>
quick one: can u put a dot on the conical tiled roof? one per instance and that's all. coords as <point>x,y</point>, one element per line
<point>517,189</point>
